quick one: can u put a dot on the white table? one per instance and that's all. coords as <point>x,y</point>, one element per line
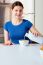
<point>20,55</point>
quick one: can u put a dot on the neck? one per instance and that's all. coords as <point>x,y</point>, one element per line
<point>16,20</point>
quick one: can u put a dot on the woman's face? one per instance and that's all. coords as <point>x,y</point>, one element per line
<point>17,12</point>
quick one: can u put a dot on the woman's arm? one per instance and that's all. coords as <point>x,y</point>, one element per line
<point>6,39</point>
<point>35,31</point>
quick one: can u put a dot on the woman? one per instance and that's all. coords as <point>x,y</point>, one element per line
<point>16,29</point>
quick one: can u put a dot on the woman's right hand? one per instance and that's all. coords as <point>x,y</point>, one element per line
<point>8,43</point>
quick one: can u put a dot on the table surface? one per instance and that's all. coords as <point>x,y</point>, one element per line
<point>20,55</point>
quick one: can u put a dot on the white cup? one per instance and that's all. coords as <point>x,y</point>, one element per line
<point>24,42</point>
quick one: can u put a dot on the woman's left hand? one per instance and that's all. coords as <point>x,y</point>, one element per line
<point>35,31</point>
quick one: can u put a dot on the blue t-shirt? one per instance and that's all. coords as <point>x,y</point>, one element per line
<point>17,32</point>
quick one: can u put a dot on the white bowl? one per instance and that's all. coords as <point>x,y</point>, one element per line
<point>24,42</point>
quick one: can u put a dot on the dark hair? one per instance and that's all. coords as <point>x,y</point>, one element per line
<point>17,3</point>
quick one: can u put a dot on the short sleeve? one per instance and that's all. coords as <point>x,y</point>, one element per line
<point>5,26</point>
<point>28,24</point>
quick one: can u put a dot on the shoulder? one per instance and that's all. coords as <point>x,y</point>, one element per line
<point>8,22</point>
<point>26,21</point>
<point>6,25</point>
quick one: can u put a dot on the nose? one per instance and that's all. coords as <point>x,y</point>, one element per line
<point>18,12</point>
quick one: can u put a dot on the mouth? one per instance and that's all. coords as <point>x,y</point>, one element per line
<point>18,16</point>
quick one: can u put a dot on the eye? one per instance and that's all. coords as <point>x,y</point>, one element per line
<point>20,10</point>
<point>16,10</point>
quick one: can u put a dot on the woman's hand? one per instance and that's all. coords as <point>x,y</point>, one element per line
<point>6,38</point>
<point>35,31</point>
<point>8,43</point>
